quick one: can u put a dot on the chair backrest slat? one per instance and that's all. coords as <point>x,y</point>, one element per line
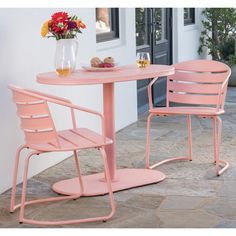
<point>21,97</point>
<point>203,77</point>
<point>40,137</point>
<point>193,99</point>
<point>32,109</point>
<point>36,120</point>
<point>192,87</point>
<point>36,123</point>
<point>198,82</point>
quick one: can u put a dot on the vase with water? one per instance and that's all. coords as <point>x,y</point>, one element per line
<point>65,56</point>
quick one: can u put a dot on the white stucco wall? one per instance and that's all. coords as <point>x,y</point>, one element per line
<point>185,38</point>
<point>124,51</point>
<point>24,54</point>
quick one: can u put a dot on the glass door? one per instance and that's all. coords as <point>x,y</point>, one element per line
<point>153,35</point>
<point>143,44</point>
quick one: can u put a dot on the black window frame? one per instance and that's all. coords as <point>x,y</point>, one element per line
<point>115,29</point>
<point>191,18</point>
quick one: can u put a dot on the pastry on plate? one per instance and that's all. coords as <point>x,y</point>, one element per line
<point>109,60</point>
<point>95,62</point>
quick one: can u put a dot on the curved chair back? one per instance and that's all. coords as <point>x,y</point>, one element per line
<point>35,116</point>
<point>199,82</point>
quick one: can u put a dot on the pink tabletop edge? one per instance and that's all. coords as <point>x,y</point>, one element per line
<point>122,74</point>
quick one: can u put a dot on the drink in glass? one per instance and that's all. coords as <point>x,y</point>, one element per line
<point>143,59</point>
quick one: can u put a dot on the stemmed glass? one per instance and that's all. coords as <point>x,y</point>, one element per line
<point>143,59</point>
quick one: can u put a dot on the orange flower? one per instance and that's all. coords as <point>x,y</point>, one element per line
<point>81,24</point>
<point>44,29</point>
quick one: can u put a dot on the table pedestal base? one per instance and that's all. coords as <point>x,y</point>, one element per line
<point>94,184</point>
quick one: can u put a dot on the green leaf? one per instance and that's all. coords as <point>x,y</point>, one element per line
<point>219,27</point>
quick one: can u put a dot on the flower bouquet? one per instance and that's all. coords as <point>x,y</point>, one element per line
<point>62,26</point>
<point>64,29</point>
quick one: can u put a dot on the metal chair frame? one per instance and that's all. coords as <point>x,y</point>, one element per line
<point>36,121</point>
<point>198,82</point>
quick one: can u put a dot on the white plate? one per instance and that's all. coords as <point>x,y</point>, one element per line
<point>96,69</point>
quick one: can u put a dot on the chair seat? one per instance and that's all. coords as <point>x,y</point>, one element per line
<point>187,110</point>
<point>73,139</point>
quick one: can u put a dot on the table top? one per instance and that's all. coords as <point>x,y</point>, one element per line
<point>121,74</point>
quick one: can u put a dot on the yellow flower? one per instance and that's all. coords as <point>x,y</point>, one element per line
<point>80,24</point>
<point>44,29</point>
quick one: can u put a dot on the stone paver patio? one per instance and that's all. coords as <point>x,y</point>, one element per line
<point>190,196</point>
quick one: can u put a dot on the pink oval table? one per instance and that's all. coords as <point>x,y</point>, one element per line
<point>121,178</point>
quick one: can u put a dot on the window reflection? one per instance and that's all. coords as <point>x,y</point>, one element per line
<point>150,25</point>
<point>189,16</point>
<point>159,18</point>
<point>107,24</point>
<point>103,20</point>
<point>141,28</point>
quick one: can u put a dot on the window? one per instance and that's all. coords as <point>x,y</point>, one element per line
<point>189,16</point>
<point>142,35</point>
<point>107,24</point>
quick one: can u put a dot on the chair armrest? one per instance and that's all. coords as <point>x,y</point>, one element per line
<point>221,91</point>
<point>150,92</point>
<point>224,84</point>
<point>62,101</point>
<point>67,103</point>
<point>73,106</point>
<point>48,95</point>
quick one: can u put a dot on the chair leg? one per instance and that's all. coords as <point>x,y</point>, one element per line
<point>189,137</point>
<point>148,141</point>
<point>216,144</point>
<point>13,192</point>
<point>170,159</point>
<point>24,203</point>
<point>23,196</point>
<point>79,172</point>
<point>214,138</point>
<point>109,187</point>
<point>217,141</point>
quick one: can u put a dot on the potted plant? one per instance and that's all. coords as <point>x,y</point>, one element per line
<point>218,36</point>
<point>64,29</point>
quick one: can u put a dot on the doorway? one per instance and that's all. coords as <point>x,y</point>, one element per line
<point>153,35</point>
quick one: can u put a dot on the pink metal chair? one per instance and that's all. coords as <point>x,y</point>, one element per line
<point>41,137</point>
<point>201,85</point>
